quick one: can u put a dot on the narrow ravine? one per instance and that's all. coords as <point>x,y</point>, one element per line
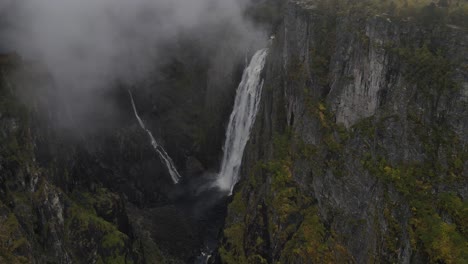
<point>241,121</point>
<point>175,176</point>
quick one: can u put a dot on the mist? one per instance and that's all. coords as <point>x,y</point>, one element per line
<point>89,45</point>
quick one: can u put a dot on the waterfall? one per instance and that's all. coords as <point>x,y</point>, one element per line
<point>241,121</point>
<point>158,148</point>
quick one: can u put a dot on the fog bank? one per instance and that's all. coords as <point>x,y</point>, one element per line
<point>88,45</point>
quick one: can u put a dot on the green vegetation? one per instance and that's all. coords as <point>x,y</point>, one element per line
<point>443,241</point>
<point>312,243</point>
<point>437,225</point>
<point>11,238</point>
<point>293,221</point>
<point>15,144</point>
<point>440,240</point>
<point>430,70</point>
<point>83,224</point>
<point>457,209</point>
<point>429,11</point>
<point>90,219</point>
<point>233,249</point>
<point>392,237</point>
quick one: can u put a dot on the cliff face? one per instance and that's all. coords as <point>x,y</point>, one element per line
<point>47,214</point>
<point>359,152</point>
<point>68,195</point>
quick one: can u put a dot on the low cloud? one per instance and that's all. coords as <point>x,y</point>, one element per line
<point>86,45</point>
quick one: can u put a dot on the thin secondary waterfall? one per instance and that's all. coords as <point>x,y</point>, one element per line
<point>241,121</point>
<point>158,148</point>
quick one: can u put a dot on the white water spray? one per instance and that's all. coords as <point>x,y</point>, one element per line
<point>158,148</point>
<point>241,121</point>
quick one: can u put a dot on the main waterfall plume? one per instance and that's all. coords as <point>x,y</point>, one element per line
<point>158,148</point>
<point>241,121</point>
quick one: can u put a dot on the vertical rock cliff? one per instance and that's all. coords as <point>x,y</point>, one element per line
<point>45,216</point>
<point>359,152</point>
<point>102,195</point>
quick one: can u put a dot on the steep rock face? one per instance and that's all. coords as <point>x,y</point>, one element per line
<point>43,221</point>
<point>359,150</point>
<point>101,193</point>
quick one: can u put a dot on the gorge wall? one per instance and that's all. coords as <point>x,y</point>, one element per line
<point>359,151</point>
<point>69,196</point>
